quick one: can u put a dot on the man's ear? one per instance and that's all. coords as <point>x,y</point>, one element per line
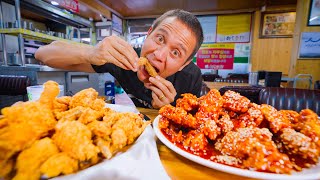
<point>149,31</point>
<point>185,64</point>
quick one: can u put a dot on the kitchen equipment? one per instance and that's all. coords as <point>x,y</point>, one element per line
<point>31,60</point>
<point>14,59</point>
<point>31,26</point>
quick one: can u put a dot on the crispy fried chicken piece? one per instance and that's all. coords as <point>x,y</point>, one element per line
<point>50,92</point>
<point>74,138</point>
<point>195,140</point>
<point>58,164</point>
<point>252,118</point>
<point>100,129</point>
<point>61,104</point>
<point>105,147</point>
<point>188,102</point>
<point>179,116</point>
<point>6,167</point>
<point>29,160</point>
<point>149,68</point>
<point>276,119</point>
<point>309,125</point>
<point>87,98</point>
<point>299,144</point>
<point>257,150</point>
<point>90,115</point>
<point>72,114</point>
<point>132,124</point>
<point>25,123</point>
<point>125,129</point>
<point>210,106</point>
<point>293,116</point>
<point>225,123</point>
<point>235,102</point>
<point>210,129</point>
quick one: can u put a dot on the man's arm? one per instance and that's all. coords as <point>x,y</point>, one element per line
<point>80,57</point>
<point>64,55</point>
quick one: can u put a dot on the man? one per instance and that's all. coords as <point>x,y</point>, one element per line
<point>172,42</point>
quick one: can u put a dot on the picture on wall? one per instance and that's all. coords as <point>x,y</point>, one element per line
<point>314,13</point>
<point>310,45</point>
<point>277,24</point>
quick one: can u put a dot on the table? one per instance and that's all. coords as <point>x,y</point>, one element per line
<point>178,167</point>
<point>218,85</point>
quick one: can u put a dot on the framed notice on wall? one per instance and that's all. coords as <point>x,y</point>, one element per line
<point>310,45</point>
<point>277,24</point>
<point>209,25</point>
<point>234,28</point>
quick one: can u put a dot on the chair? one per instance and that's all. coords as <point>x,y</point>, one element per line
<point>307,78</point>
<point>273,79</point>
<point>210,77</point>
<point>317,85</point>
<point>250,92</point>
<point>291,98</point>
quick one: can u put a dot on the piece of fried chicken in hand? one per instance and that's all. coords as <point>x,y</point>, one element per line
<point>29,161</point>
<point>148,67</point>
<point>74,138</point>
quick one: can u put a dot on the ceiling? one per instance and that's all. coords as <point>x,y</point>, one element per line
<point>153,8</point>
<point>134,9</point>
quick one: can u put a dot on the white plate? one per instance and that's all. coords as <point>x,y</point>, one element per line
<point>312,173</point>
<point>122,108</point>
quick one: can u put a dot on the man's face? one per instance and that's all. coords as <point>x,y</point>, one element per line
<point>167,48</point>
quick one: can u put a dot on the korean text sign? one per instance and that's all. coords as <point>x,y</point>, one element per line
<point>216,56</point>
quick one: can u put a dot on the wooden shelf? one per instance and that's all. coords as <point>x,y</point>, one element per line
<point>28,34</point>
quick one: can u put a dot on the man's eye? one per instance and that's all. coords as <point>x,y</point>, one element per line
<point>160,39</point>
<point>176,53</point>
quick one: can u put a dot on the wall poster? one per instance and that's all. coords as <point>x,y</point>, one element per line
<point>234,28</point>
<point>216,56</point>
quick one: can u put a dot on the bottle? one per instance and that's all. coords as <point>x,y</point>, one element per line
<point>109,90</point>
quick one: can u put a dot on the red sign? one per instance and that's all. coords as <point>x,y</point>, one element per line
<point>72,5</point>
<point>215,58</point>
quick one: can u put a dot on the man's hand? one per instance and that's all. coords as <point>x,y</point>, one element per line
<point>114,50</point>
<point>163,92</point>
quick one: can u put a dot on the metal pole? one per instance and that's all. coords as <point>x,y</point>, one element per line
<point>20,37</point>
<point>3,37</point>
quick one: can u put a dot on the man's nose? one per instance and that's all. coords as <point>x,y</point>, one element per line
<point>161,53</point>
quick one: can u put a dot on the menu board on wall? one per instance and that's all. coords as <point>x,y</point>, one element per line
<point>216,56</point>
<point>209,25</point>
<point>234,28</point>
<point>310,45</point>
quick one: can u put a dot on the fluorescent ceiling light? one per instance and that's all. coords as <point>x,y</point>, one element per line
<point>55,3</point>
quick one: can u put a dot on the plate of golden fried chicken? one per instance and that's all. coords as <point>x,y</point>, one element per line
<point>56,136</point>
<point>231,134</point>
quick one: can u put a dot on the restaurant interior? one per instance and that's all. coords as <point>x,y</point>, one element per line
<point>266,50</point>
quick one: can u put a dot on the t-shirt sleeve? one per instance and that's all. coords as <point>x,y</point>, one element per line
<point>110,68</point>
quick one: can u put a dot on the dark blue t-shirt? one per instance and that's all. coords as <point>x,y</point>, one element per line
<point>188,80</point>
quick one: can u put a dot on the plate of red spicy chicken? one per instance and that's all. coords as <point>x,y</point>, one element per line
<point>231,134</point>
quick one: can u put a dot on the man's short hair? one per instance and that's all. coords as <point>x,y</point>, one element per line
<point>189,20</point>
